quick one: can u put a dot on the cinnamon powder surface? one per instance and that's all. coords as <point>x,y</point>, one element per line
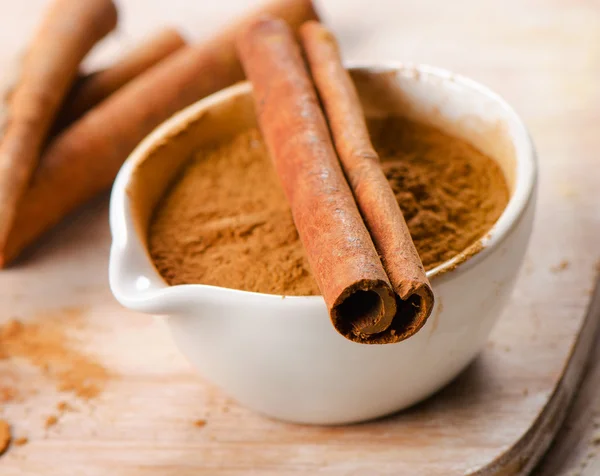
<point>226,222</point>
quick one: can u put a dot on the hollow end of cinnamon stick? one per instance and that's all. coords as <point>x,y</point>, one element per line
<point>414,312</point>
<point>376,315</point>
<point>364,309</point>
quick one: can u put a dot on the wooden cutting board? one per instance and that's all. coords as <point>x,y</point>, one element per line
<point>496,418</point>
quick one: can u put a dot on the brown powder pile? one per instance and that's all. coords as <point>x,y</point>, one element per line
<point>226,222</point>
<point>46,343</point>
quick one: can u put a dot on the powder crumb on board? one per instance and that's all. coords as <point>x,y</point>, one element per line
<point>64,407</point>
<point>567,190</point>
<point>7,394</point>
<point>23,440</point>
<point>5,436</point>
<point>596,437</point>
<point>45,342</point>
<point>591,454</point>
<point>200,423</point>
<point>562,266</point>
<point>51,421</point>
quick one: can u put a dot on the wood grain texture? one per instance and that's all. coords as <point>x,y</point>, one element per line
<point>576,449</point>
<point>541,55</point>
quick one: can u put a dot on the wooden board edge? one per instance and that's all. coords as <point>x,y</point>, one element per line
<point>521,458</point>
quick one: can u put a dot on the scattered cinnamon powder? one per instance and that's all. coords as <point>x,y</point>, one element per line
<point>562,266</point>
<point>5,436</point>
<point>46,343</point>
<point>7,394</point>
<point>64,407</point>
<point>200,423</point>
<point>51,421</point>
<point>21,441</point>
<point>226,222</point>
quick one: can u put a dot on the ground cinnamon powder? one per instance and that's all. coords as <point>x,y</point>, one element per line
<point>45,343</point>
<point>51,421</point>
<point>226,222</point>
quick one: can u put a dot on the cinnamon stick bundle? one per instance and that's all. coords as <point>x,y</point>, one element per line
<point>371,300</point>
<point>93,88</point>
<point>67,33</point>
<point>84,159</point>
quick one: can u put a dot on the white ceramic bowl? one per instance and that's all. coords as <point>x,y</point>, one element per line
<point>282,357</point>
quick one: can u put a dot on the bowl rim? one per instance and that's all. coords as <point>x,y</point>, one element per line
<point>121,219</point>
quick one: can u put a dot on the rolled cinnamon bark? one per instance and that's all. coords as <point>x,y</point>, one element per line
<point>84,159</point>
<point>360,162</point>
<point>93,88</point>
<point>67,33</point>
<point>356,288</point>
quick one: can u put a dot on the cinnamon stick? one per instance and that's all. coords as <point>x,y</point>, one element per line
<point>93,88</point>
<point>364,298</point>
<point>362,168</point>
<point>84,160</point>
<point>67,33</point>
